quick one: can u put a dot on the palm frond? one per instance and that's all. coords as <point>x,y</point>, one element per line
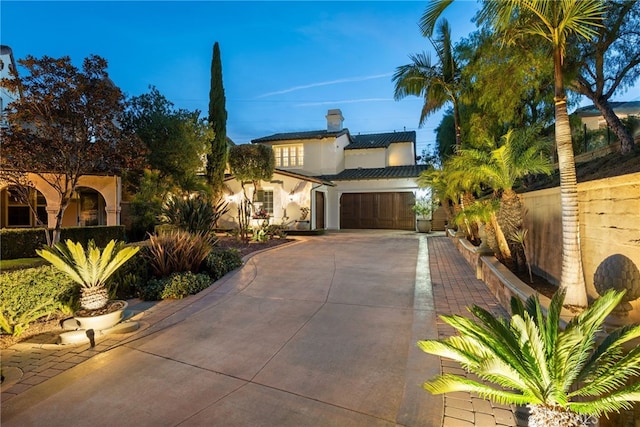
<point>616,374</point>
<point>431,14</point>
<point>450,383</point>
<point>608,351</point>
<point>611,403</point>
<point>451,349</point>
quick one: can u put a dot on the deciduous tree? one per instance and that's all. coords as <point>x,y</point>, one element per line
<point>177,140</point>
<point>252,163</point>
<point>610,63</point>
<point>66,124</point>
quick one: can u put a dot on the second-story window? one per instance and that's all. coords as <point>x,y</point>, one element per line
<point>289,156</point>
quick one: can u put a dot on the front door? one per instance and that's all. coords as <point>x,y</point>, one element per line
<point>319,210</point>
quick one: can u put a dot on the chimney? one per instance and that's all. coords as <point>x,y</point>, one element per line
<point>334,120</point>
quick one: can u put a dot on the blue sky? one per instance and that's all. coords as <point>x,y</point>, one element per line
<point>284,63</point>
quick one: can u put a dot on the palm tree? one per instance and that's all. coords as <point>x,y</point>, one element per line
<point>554,22</point>
<point>520,154</point>
<point>452,185</point>
<point>437,83</point>
<point>564,376</point>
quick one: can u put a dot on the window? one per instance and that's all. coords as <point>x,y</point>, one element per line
<point>265,198</point>
<point>289,155</point>
<point>19,214</point>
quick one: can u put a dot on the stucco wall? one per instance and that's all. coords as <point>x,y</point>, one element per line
<point>109,188</point>
<point>609,225</point>
<point>290,194</point>
<point>365,158</point>
<point>401,154</point>
<point>323,156</point>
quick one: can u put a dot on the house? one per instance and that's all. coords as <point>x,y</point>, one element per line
<point>95,202</point>
<point>592,117</point>
<point>336,180</point>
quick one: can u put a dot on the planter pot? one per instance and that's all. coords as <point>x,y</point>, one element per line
<point>302,225</point>
<point>100,322</point>
<point>423,225</point>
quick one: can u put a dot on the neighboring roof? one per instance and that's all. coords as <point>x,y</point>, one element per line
<point>314,134</point>
<point>411,171</point>
<point>632,107</point>
<point>380,140</point>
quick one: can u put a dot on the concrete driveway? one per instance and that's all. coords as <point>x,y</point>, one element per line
<point>317,333</point>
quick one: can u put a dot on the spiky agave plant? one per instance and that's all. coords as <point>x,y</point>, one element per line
<point>90,269</point>
<point>564,376</point>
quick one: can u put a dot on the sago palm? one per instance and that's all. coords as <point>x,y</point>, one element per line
<point>89,269</point>
<point>564,376</point>
<point>437,83</point>
<point>553,22</point>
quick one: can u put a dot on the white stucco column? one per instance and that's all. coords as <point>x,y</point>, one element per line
<point>52,211</point>
<point>113,215</point>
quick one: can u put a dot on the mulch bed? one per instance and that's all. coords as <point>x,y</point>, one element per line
<point>245,248</point>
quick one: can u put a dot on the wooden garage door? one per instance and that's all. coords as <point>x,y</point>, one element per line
<point>377,210</point>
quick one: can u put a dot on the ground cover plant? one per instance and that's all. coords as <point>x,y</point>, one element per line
<point>175,286</point>
<point>30,294</point>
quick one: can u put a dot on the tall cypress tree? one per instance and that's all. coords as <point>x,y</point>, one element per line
<point>217,160</point>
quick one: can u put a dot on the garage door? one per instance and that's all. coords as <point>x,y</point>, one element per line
<point>377,210</point>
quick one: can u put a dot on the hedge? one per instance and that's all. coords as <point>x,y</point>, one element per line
<point>23,242</point>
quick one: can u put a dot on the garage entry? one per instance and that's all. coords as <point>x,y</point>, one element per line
<point>378,210</point>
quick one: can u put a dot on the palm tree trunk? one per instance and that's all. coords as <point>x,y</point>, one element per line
<point>456,123</point>
<point>510,220</point>
<point>544,416</point>
<point>572,276</point>
<point>503,245</point>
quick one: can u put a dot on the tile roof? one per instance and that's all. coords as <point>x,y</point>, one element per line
<point>631,107</point>
<point>380,140</point>
<point>298,174</point>
<point>313,134</point>
<point>374,140</point>
<point>411,171</point>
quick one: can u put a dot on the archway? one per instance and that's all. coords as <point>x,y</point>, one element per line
<point>87,208</point>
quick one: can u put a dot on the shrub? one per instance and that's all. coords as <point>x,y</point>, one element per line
<point>25,241</point>
<point>176,286</point>
<point>195,215</point>
<point>177,251</point>
<point>130,278</point>
<point>29,294</point>
<point>220,261</point>
<point>260,235</point>
<point>276,230</point>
